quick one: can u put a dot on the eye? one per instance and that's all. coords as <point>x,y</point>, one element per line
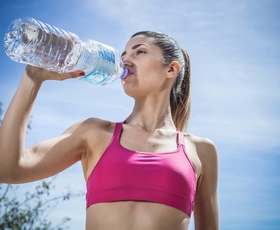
<point>140,51</point>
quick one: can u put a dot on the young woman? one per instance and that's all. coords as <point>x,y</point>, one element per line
<point>141,174</point>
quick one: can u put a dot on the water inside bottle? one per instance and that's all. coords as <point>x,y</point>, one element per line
<point>31,45</point>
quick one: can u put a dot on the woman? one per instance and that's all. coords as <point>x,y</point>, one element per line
<point>143,173</point>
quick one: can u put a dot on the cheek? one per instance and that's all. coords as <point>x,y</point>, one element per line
<point>152,68</point>
<point>156,72</point>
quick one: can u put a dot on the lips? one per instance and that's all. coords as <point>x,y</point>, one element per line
<point>128,73</point>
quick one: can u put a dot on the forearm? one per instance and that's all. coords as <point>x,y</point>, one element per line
<point>14,126</point>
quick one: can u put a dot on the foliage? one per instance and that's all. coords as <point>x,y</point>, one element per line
<point>32,211</point>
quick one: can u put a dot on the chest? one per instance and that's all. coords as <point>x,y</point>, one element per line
<point>119,167</point>
<point>156,143</point>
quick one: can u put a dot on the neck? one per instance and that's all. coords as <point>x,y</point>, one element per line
<point>151,114</point>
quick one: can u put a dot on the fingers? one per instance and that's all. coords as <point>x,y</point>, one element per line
<point>40,74</point>
<point>50,75</point>
<point>74,74</point>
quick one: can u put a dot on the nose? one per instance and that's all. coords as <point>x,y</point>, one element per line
<point>127,62</point>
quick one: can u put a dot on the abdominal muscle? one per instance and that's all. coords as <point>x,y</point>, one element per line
<point>135,215</point>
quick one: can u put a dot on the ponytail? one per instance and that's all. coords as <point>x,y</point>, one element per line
<point>180,96</point>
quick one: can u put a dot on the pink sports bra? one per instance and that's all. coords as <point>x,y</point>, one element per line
<point>122,175</point>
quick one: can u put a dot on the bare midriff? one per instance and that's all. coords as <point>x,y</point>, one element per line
<point>135,215</point>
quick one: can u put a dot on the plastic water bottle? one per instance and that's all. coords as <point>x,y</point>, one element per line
<point>36,43</point>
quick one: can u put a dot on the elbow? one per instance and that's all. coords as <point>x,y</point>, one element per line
<point>9,174</point>
<point>11,168</point>
<point>6,177</point>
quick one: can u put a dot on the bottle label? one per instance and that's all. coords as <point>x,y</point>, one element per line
<point>105,63</point>
<point>105,68</point>
<point>105,53</point>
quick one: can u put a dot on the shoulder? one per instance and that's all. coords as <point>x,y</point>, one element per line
<point>90,126</point>
<point>92,122</point>
<point>206,153</point>
<point>94,133</point>
<point>205,147</point>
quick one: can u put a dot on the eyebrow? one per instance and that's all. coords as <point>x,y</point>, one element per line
<point>135,47</point>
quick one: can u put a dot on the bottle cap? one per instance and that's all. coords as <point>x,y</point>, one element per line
<point>125,73</point>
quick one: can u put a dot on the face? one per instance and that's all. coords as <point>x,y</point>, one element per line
<point>144,61</point>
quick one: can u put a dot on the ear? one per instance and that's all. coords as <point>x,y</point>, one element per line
<point>173,69</point>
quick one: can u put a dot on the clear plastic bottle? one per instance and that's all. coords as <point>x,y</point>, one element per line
<point>36,43</point>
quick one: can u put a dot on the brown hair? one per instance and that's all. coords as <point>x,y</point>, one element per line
<point>180,97</point>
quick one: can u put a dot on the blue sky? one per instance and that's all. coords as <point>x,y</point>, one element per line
<point>235,52</point>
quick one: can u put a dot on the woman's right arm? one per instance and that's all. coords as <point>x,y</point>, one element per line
<point>17,164</point>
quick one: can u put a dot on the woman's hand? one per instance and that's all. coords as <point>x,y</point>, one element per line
<point>39,74</point>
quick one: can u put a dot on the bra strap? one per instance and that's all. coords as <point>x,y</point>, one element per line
<point>118,129</point>
<point>181,138</point>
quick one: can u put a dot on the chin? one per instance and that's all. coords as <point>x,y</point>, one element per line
<point>130,90</point>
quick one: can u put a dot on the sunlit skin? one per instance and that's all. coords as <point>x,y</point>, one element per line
<point>149,128</point>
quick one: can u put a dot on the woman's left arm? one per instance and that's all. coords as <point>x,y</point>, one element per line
<point>206,213</point>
